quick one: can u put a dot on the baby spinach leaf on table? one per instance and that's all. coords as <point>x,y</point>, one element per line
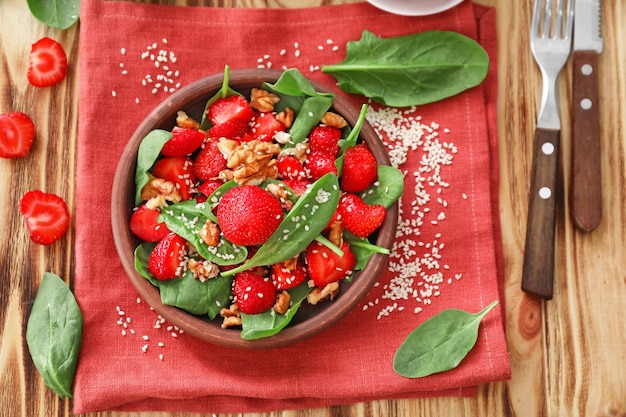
<point>187,218</point>
<point>53,334</point>
<point>149,150</point>
<point>411,70</point>
<point>387,189</point>
<point>195,296</point>
<point>300,226</point>
<point>439,344</point>
<point>268,323</point>
<point>59,14</point>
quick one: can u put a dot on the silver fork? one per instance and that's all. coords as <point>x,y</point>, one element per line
<point>550,42</point>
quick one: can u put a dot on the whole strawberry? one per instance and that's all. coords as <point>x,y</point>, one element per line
<point>359,170</point>
<point>248,215</point>
<point>325,139</point>
<point>209,162</point>
<point>183,142</point>
<point>319,164</point>
<point>167,257</point>
<point>359,218</point>
<point>254,293</point>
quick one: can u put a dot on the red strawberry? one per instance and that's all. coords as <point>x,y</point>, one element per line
<point>229,109</point>
<point>359,169</point>
<point>284,278</point>
<point>48,63</point>
<point>265,126</point>
<point>167,257</point>
<point>209,162</point>
<point>235,130</point>
<point>319,163</point>
<point>298,186</point>
<point>46,216</point>
<point>290,167</point>
<point>325,139</point>
<point>248,215</point>
<point>183,142</point>
<point>207,187</point>
<point>254,293</point>
<point>358,217</point>
<point>144,223</point>
<point>325,266</point>
<point>179,170</point>
<point>17,133</point>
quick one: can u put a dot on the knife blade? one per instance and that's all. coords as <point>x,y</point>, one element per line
<point>586,198</point>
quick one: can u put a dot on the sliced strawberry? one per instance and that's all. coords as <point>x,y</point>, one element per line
<point>359,169</point>
<point>48,63</point>
<point>145,225</point>
<point>235,130</point>
<point>265,126</point>
<point>325,139</point>
<point>207,187</point>
<point>319,164</point>
<point>299,187</point>
<point>167,258</point>
<point>183,142</point>
<point>285,278</point>
<point>254,293</point>
<point>209,162</point>
<point>358,217</point>
<point>229,109</point>
<point>17,132</point>
<point>46,216</point>
<point>325,266</point>
<point>290,167</point>
<point>179,170</point>
<point>248,215</point>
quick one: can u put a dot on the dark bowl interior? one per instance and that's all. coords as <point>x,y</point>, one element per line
<point>310,319</point>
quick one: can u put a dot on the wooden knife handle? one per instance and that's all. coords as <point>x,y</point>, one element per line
<point>538,269</point>
<point>586,188</point>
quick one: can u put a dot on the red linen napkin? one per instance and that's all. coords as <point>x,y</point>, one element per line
<point>132,56</point>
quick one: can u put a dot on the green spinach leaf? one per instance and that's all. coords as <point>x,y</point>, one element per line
<point>223,92</point>
<point>439,344</point>
<point>149,150</point>
<point>59,14</point>
<point>53,334</point>
<point>142,253</point>
<point>387,189</point>
<point>362,249</point>
<point>195,296</point>
<point>411,70</point>
<point>256,326</point>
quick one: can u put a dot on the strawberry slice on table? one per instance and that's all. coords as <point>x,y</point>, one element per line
<point>285,278</point>
<point>229,109</point>
<point>179,170</point>
<point>265,126</point>
<point>254,293</point>
<point>183,142</point>
<point>319,164</point>
<point>17,133</point>
<point>325,266</point>
<point>359,170</point>
<point>358,217</point>
<point>145,225</point>
<point>234,130</point>
<point>209,162</point>
<point>48,63</point>
<point>325,139</point>
<point>167,257</point>
<point>248,215</point>
<point>46,216</point>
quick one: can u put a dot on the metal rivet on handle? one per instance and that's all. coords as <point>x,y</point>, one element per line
<point>547,148</point>
<point>586,69</point>
<point>545,193</point>
<point>585,104</point>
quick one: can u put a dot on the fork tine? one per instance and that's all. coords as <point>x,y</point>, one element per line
<point>547,19</point>
<point>569,19</point>
<point>534,25</point>
<point>558,20</point>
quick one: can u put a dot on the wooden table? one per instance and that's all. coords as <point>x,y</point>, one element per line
<point>568,355</point>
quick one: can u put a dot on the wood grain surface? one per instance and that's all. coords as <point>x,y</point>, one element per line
<point>568,355</point>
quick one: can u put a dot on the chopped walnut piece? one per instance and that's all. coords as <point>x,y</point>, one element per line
<point>231,315</point>
<point>262,100</point>
<point>334,120</point>
<point>291,263</point>
<point>286,117</point>
<point>157,192</point>
<point>317,294</point>
<point>251,162</point>
<point>300,151</point>
<point>183,120</point>
<point>203,270</point>
<point>281,195</point>
<point>283,299</point>
<point>335,234</point>
<point>210,233</point>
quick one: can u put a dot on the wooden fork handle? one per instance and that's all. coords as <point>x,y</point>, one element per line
<point>586,187</point>
<point>538,268</point>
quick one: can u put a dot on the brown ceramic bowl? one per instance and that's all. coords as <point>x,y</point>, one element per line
<point>310,319</point>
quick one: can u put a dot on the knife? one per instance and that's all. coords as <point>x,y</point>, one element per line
<point>586,199</point>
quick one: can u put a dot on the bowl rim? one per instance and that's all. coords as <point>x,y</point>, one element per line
<point>194,325</point>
